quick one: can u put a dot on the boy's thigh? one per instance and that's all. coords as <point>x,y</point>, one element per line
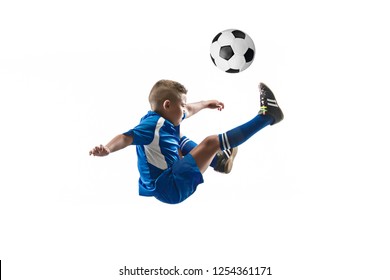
<point>179,181</point>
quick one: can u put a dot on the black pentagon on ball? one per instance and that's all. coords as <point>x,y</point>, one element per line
<point>249,55</point>
<point>226,52</point>
<point>217,37</point>
<point>213,60</point>
<point>231,70</point>
<point>238,34</point>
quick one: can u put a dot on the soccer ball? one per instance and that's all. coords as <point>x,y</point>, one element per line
<point>232,51</point>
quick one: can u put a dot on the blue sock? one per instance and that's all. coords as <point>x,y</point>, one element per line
<point>240,134</point>
<point>186,145</point>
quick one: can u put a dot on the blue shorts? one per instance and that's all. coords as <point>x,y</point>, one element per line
<point>179,181</point>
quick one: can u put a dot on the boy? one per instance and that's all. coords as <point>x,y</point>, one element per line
<point>171,166</point>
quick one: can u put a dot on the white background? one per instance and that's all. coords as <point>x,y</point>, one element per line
<point>307,197</point>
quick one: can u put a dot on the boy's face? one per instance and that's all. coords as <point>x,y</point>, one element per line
<point>174,110</point>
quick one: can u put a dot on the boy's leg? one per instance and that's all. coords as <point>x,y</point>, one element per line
<point>222,161</point>
<point>269,114</point>
<point>205,152</point>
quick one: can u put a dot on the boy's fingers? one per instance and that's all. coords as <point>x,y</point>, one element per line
<point>99,151</point>
<point>94,151</point>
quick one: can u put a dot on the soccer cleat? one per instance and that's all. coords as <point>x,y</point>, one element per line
<point>225,160</point>
<point>268,104</point>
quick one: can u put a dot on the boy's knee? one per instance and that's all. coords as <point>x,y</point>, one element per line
<point>212,142</point>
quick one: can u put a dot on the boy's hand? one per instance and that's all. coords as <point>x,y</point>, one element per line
<point>99,151</point>
<point>215,104</point>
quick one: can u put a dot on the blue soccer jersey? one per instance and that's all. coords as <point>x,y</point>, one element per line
<point>157,141</point>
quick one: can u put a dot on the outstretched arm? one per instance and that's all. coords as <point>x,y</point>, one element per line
<point>194,108</point>
<point>117,143</point>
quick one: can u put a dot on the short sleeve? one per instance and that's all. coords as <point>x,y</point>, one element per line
<point>143,133</point>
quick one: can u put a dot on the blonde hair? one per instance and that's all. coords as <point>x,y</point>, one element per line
<point>165,90</point>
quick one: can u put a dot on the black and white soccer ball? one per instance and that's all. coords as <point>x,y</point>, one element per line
<point>232,51</point>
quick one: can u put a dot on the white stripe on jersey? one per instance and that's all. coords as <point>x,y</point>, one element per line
<point>153,150</point>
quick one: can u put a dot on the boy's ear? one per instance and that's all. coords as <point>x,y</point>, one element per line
<point>166,104</point>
